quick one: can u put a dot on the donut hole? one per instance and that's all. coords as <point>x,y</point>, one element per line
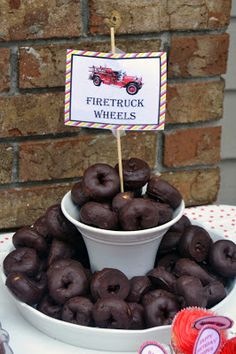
<point>101,178</point>
<point>199,247</point>
<point>165,314</point>
<point>66,283</point>
<point>113,289</point>
<point>111,321</point>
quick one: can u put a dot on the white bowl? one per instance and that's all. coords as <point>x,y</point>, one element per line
<point>133,252</point>
<point>110,339</point>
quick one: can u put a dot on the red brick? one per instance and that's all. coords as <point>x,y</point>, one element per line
<point>22,206</point>
<point>69,157</point>
<point>44,66</point>
<point>4,69</point>
<point>32,114</point>
<point>40,19</point>
<point>157,16</point>
<point>6,163</point>
<point>195,101</point>
<point>201,55</point>
<point>197,186</point>
<point>197,14</point>
<point>192,146</point>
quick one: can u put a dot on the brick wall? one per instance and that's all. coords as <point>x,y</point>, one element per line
<point>40,158</point>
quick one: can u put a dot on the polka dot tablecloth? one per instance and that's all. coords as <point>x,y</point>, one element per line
<point>220,218</point>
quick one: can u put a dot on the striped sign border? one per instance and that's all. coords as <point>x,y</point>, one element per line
<point>163,90</point>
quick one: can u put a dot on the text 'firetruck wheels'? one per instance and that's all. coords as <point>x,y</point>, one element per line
<point>97,81</point>
<point>132,88</point>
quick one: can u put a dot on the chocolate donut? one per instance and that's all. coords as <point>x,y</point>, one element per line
<point>28,237</point>
<point>23,288</point>
<point>49,307</point>
<point>160,311</point>
<point>109,282</point>
<point>58,226</point>
<point>180,225</point>
<point>185,266</point>
<point>169,243</point>
<point>150,296</point>
<point>78,310</point>
<point>138,214</point>
<point>164,192</point>
<point>222,258</point>
<point>165,212</point>
<point>168,261</point>
<point>41,227</point>
<point>170,240</point>
<point>40,281</point>
<point>136,173</point>
<point>192,291</point>
<point>112,312</point>
<point>195,243</point>
<point>24,260</point>
<point>98,215</point>
<point>139,285</point>
<point>59,250</point>
<point>121,199</point>
<point>78,195</point>
<point>65,282</point>
<point>162,279</point>
<point>215,292</point>
<point>101,182</point>
<point>137,316</point>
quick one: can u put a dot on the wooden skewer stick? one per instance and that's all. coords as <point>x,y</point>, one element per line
<point>118,140</point>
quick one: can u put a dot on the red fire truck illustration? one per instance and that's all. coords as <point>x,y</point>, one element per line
<point>108,76</point>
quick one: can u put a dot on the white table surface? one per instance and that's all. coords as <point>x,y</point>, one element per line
<point>25,339</point>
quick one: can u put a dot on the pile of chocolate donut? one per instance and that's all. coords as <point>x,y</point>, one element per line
<point>49,267</point>
<point>101,205</point>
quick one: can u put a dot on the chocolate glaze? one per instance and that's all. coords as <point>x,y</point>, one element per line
<point>139,285</point>
<point>101,182</point>
<point>136,173</point>
<point>138,214</point>
<point>49,307</point>
<point>185,266</point>
<point>29,237</point>
<point>195,243</point>
<point>98,215</point>
<point>109,282</point>
<point>78,194</point>
<point>192,291</point>
<point>160,311</point>
<point>23,288</point>
<point>78,310</point>
<point>215,292</point>
<point>66,282</point>
<point>162,279</point>
<point>163,191</point>
<point>222,258</point>
<point>137,313</point>
<point>121,199</point>
<point>58,226</point>
<point>112,312</point>
<point>24,260</point>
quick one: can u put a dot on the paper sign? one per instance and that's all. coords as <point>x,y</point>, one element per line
<point>152,348</point>
<point>220,322</point>
<point>208,341</point>
<point>115,91</point>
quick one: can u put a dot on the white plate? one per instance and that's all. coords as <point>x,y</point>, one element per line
<point>109,339</point>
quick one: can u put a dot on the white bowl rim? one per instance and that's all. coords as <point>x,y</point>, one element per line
<point>81,225</point>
